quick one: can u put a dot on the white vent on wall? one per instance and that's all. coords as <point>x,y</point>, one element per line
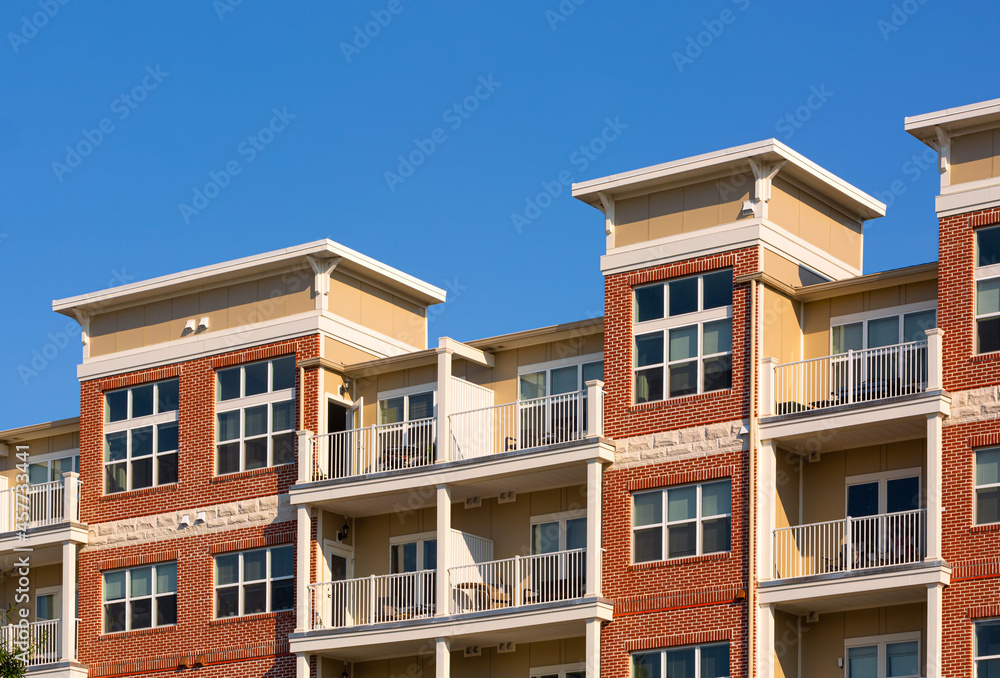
<point>507,497</point>
<point>473,651</point>
<point>504,648</point>
<point>473,502</point>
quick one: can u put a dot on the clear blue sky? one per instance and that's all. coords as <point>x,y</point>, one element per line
<point>209,79</point>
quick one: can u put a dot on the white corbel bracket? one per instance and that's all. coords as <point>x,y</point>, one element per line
<point>608,207</point>
<point>942,145</point>
<point>322,269</point>
<point>763,174</point>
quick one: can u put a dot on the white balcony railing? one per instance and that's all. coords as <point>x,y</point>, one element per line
<point>522,580</point>
<point>519,425</point>
<point>372,600</point>
<point>41,639</point>
<point>850,544</point>
<point>854,377</point>
<point>383,447</point>
<point>30,506</point>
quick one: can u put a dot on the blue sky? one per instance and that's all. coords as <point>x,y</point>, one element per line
<point>155,99</point>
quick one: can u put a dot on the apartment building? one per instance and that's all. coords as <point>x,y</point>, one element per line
<point>760,461</point>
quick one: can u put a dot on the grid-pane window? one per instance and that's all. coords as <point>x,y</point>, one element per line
<point>140,597</point>
<point>987,274</point>
<point>140,436</point>
<point>883,658</point>
<point>698,661</point>
<point>681,521</point>
<point>255,415</point>
<point>251,582</point>
<point>683,337</point>
<point>988,486</point>
<point>987,649</point>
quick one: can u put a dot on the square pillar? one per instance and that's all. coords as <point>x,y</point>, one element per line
<point>767,484</point>
<point>935,629</point>
<point>302,666</point>
<point>935,362</point>
<point>593,648</point>
<point>442,658</point>
<point>67,641</point>
<point>303,570</point>
<point>442,607</point>
<point>765,641</point>
<point>595,408</point>
<point>443,447</point>
<point>71,497</point>
<point>306,457</point>
<point>595,473</point>
<point>934,489</point>
<point>767,387</point>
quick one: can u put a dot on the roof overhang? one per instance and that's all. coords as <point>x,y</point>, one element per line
<point>734,160</point>
<point>258,265</point>
<point>962,119</point>
<point>43,430</point>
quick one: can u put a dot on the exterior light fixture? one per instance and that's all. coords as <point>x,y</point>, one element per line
<point>344,531</point>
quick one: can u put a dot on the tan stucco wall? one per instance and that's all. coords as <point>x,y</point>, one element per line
<point>975,156</point>
<point>815,221</point>
<point>780,332</point>
<point>377,309</point>
<point>41,577</point>
<point>787,271</point>
<point>680,210</point>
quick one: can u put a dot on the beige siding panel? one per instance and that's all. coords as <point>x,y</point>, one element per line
<point>925,290</point>
<point>183,309</point>
<point>345,297</point>
<point>342,353</point>
<point>102,333</point>
<point>814,221</point>
<point>822,646</point>
<point>130,328</point>
<point>887,297</point>
<point>845,239</point>
<point>376,309</point>
<point>786,507</point>
<point>409,325</point>
<point>701,206</point>
<point>271,298</point>
<point>847,304</point>
<point>215,305</point>
<point>546,653</point>
<point>666,213</point>
<point>786,651</point>
<point>157,319</point>
<point>972,157</point>
<point>781,333</point>
<point>823,488</point>
<point>242,304</point>
<point>299,293</point>
<point>816,330</point>
<point>631,221</point>
<point>783,209</point>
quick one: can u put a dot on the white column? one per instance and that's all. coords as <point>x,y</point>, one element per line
<point>935,629</point>
<point>767,386</point>
<point>443,605</point>
<point>934,491</point>
<point>443,404</point>
<point>303,569</point>
<point>595,473</point>
<point>765,642</point>
<point>935,363</point>
<point>767,485</point>
<point>301,666</point>
<point>595,408</point>
<point>593,648</point>
<point>305,455</point>
<point>67,650</point>
<point>442,658</point>
<point>71,496</point>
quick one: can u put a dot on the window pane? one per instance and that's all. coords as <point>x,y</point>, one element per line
<point>403,558</point>
<point>227,602</point>
<point>282,594</point>
<point>114,585</point>
<point>718,289</point>
<point>166,578</point>
<point>648,303</point>
<point>717,337</point>
<point>988,466</point>
<point>283,373</point>
<point>142,582</point>
<point>683,296</point>
<point>649,385</point>
<point>680,663</point>
<point>902,494</point>
<point>255,421</point>
<point>862,662</point>
<point>254,565</point>
<point>988,669</point>
<point>116,445</point>
<point>114,617</point>
<point>988,506</point>
<point>115,478</point>
<point>987,246</point>
<point>282,448</point>
<point>228,386</point>
<point>988,296</point>
<point>142,441</point>
<point>593,371</point>
<point>117,405</point>
<point>648,509</point>
<point>862,500</point>
<point>255,378</point>
<point>715,498</point>
<point>683,343</point>
<point>646,665</point>
<point>576,533</point>
<point>988,335</point>
<point>682,503</point>
<point>229,426</point>
<point>255,598</point>
<point>142,472</point>
<point>988,639</point>
<point>564,380</point>
<point>683,379</point>
<point>390,411</point>
<point>915,325</point>
<point>229,458</point>
<point>141,613</point>
<point>166,610</point>
<point>718,373</point>
<point>901,659</point>
<point>649,349</point>
<point>166,469</point>
<point>166,437</point>
<point>715,661</point>
<point>430,554</point>
<point>544,538</point>
<point>227,569</point>
<point>682,540</point>
<point>38,473</point>
<point>256,453</point>
<point>421,406</point>
<point>281,562</point>
<point>61,466</point>
<point>167,397</point>
<point>883,332</point>
<point>648,545</point>
<point>848,338</point>
<point>142,400</point>
<point>715,535</point>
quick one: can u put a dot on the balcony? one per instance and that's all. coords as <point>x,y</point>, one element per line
<point>39,643</point>
<point>40,516</point>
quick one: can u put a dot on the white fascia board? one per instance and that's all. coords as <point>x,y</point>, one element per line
<point>852,584</point>
<point>269,260</point>
<point>972,200</point>
<point>961,116</point>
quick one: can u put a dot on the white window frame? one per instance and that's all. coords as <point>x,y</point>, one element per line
<point>153,596</point>
<point>405,394</point>
<point>129,424</point>
<point>548,366</point>
<point>867,316</point>
<point>664,524</point>
<point>417,538</point>
<point>665,650</point>
<point>664,325</point>
<point>562,517</point>
<point>49,457</point>
<point>882,478</point>
<point>241,584</point>
<point>976,488</point>
<point>981,274</point>
<point>49,591</point>
<point>559,670</point>
<point>243,403</point>
<point>986,657</point>
<point>882,641</point>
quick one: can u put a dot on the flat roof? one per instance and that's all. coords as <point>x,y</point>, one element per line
<point>952,119</point>
<point>218,274</point>
<point>769,150</point>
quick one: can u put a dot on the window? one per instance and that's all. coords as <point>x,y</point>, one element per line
<point>563,671</point>
<point>699,661</point>
<point>251,582</point>
<point>988,486</point>
<point>406,428</point>
<point>559,532</point>
<point>987,648</point>
<point>407,407</point>
<point>987,273</point>
<point>681,521</point>
<point>683,337</point>
<point>412,553</point>
<point>885,331</point>
<point>140,597</point>
<point>140,436</point>
<point>45,469</point>
<point>255,415</point>
<point>562,415</point>
<point>894,656</point>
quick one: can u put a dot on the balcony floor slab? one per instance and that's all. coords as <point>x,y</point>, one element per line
<point>44,543</point>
